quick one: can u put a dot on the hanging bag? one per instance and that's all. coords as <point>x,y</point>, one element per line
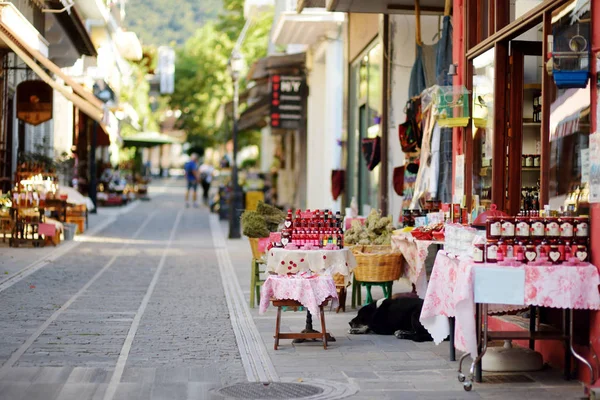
<point>338,179</point>
<point>371,149</point>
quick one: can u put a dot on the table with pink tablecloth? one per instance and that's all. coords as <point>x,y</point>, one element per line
<point>450,293</point>
<point>309,291</point>
<point>323,262</point>
<point>414,255</point>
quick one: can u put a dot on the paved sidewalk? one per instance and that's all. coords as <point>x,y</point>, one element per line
<point>382,366</point>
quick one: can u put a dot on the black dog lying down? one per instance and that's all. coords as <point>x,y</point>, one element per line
<point>397,316</point>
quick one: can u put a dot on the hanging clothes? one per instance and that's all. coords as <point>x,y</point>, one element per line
<point>423,73</point>
<point>444,50</point>
<point>434,169</point>
<point>422,181</point>
<point>444,187</point>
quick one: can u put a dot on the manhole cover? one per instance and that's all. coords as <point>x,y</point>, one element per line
<point>273,390</point>
<point>507,378</point>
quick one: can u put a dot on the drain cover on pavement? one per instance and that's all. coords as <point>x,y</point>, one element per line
<point>272,390</point>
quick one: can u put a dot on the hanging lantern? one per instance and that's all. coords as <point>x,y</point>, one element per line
<point>452,106</point>
<point>571,55</point>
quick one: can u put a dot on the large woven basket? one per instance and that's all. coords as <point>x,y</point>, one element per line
<point>257,255</point>
<point>377,264</point>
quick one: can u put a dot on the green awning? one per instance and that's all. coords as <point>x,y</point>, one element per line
<point>149,139</point>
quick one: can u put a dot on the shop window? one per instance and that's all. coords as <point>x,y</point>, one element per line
<point>483,126</point>
<point>569,150</point>
<point>364,122</point>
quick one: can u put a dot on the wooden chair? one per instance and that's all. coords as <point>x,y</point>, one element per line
<point>255,280</point>
<point>341,285</point>
<point>298,335</point>
<point>77,215</point>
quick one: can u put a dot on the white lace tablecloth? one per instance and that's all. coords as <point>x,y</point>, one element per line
<point>450,293</point>
<point>323,262</point>
<point>310,292</point>
<point>414,255</point>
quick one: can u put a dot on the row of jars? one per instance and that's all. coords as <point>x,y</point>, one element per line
<point>524,227</point>
<point>529,252</point>
<point>530,160</point>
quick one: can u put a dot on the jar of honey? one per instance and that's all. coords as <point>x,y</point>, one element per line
<point>522,228</point>
<point>567,227</point>
<point>494,228</point>
<point>582,227</point>
<point>491,252</point>
<point>538,228</point>
<point>508,227</point>
<point>552,227</point>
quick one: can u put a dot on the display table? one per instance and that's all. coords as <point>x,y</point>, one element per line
<point>309,292</point>
<point>323,262</point>
<point>415,253</point>
<point>312,292</point>
<point>451,293</point>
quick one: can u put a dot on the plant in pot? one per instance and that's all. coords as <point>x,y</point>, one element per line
<point>259,224</point>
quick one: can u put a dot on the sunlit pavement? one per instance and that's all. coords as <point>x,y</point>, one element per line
<point>153,304</point>
<point>135,311</point>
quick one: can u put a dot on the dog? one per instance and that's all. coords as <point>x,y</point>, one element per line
<point>398,316</point>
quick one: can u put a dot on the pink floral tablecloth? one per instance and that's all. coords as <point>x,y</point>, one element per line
<point>323,262</point>
<point>414,254</point>
<point>450,293</point>
<point>310,292</point>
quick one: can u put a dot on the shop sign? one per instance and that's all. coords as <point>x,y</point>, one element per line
<point>287,99</point>
<point>34,102</point>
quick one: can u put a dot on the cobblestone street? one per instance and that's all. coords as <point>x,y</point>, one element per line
<point>152,303</point>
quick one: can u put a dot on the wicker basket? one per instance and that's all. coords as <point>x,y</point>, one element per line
<point>377,264</point>
<point>257,255</point>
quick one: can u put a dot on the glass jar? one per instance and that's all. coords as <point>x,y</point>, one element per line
<point>522,228</point>
<point>529,160</point>
<point>537,160</point>
<point>491,252</point>
<point>494,228</point>
<point>552,227</point>
<point>581,252</point>
<point>538,227</point>
<point>508,227</point>
<point>523,160</point>
<point>567,227</point>
<point>582,227</point>
<point>554,254</point>
<point>479,253</point>
<point>530,253</point>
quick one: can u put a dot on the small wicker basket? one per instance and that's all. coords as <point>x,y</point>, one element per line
<point>256,254</point>
<point>377,264</point>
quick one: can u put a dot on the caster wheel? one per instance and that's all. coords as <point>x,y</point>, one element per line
<point>467,386</point>
<point>461,377</point>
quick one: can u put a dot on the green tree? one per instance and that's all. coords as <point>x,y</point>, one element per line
<point>202,82</point>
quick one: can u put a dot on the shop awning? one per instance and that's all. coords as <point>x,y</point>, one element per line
<point>254,116</point>
<point>260,69</point>
<point>73,25</point>
<point>307,27</point>
<point>302,4</point>
<point>386,6</point>
<point>149,139</point>
<point>18,35</point>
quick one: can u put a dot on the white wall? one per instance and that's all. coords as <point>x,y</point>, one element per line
<point>402,34</point>
<point>63,125</point>
<point>325,119</point>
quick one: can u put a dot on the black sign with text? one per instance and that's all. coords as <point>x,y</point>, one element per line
<point>287,99</point>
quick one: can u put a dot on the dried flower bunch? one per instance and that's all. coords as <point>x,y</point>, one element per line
<point>377,230</point>
<point>259,223</point>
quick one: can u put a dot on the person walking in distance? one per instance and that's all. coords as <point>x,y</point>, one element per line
<point>206,173</point>
<point>192,177</point>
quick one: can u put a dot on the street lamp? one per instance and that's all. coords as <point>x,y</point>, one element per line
<point>235,66</point>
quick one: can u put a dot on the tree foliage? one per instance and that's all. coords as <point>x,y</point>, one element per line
<point>167,22</point>
<point>202,82</point>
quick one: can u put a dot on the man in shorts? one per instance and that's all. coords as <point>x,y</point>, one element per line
<point>191,176</point>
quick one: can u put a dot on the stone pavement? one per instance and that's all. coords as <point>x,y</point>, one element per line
<point>136,311</point>
<point>383,367</point>
<point>154,305</point>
